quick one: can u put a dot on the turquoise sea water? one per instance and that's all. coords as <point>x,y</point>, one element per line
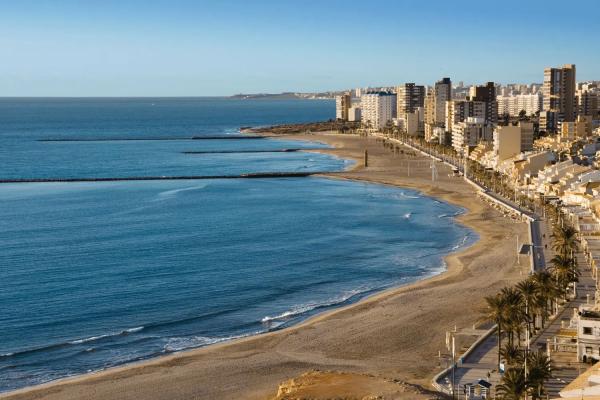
<point>94,275</point>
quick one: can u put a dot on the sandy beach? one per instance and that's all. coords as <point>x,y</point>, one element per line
<point>387,344</point>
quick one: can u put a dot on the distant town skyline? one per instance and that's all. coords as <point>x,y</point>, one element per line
<point>191,48</point>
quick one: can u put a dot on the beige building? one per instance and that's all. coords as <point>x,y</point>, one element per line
<point>459,110</point>
<point>409,97</point>
<point>588,102</point>
<point>342,105</point>
<point>487,95</point>
<point>354,114</point>
<point>578,129</point>
<point>469,133</point>
<point>526,135</point>
<point>414,122</point>
<point>558,93</point>
<point>442,92</point>
<point>507,142</point>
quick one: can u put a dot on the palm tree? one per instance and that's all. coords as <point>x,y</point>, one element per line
<point>565,239</point>
<point>514,312</point>
<point>540,370</point>
<point>547,292</point>
<point>564,270</point>
<point>494,311</point>
<point>512,355</point>
<point>513,386</point>
<point>529,291</point>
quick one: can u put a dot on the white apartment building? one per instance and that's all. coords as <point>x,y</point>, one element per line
<point>587,321</point>
<point>470,133</point>
<point>514,104</point>
<point>377,108</point>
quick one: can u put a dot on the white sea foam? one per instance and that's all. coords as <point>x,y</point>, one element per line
<point>98,337</point>
<point>455,214</point>
<point>173,192</point>
<point>461,244</point>
<point>133,330</point>
<point>409,196</point>
<point>407,215</point>
<point>89,339</point>
<point>182,343</point>
<point>305,308</point>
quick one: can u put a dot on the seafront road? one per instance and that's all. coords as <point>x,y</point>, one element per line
<point>481,362</point>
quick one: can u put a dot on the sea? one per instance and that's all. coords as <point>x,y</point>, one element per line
<point>98,274</point>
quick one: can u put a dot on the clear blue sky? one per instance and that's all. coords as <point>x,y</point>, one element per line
<point>222,47</point>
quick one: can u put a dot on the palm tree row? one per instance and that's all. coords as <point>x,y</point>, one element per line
<point>519,382</point>
<point>525,307</point>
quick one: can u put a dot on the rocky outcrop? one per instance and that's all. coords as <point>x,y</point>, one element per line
<point>330,385</point>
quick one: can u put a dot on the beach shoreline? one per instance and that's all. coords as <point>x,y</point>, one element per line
<point>253,366</point>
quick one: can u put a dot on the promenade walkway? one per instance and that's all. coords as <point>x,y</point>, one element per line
<point>481,362</point>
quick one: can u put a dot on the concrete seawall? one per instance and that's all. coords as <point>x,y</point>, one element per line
<point>171,178</point>
<point>246,151</point>
<point>121,139</point>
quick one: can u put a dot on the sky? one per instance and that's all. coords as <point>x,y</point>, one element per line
<point>224,47</point>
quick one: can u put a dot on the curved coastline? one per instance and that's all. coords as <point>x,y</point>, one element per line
<point>356,172</point>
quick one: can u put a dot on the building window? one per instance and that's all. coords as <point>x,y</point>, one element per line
<point>587,330</point>
<point>588,350</point>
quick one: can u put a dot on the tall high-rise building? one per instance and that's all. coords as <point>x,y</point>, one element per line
<point>409,98</point>
<point>429,107</point>
<point>487,95</point>
<point>588,101</point>
<point>442,92</point>
<point>459,110</point>
<point>559,97</point>
<point>342,105</point>
<point>377,108</point>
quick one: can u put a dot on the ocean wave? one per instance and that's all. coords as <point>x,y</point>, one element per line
<point>452,215</point>
<point>173,192</point>
<point>307,308</point>
<point>407,215</point>
<point>133,330</point>
<point>89,339</point>
<point>182,343</point>
<point>461,244</point>
<point>74,342</point>
<point>409,196</point>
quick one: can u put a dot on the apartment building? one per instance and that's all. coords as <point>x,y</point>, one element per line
<point>442,92</point>
<point>469,133</point>
<point>558,92</point>
<point>459,110</point>
<point>487,95</point>
<point>342,105</point>
<point>354,114</point>
<point>507,142</point>
<point>588,101</point>
<point>580,128</point>
<point>514,104</point>
<point>377,108</point>
<point>409,97</point>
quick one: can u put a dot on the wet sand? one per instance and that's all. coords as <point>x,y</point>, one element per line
<point>392,336</point>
